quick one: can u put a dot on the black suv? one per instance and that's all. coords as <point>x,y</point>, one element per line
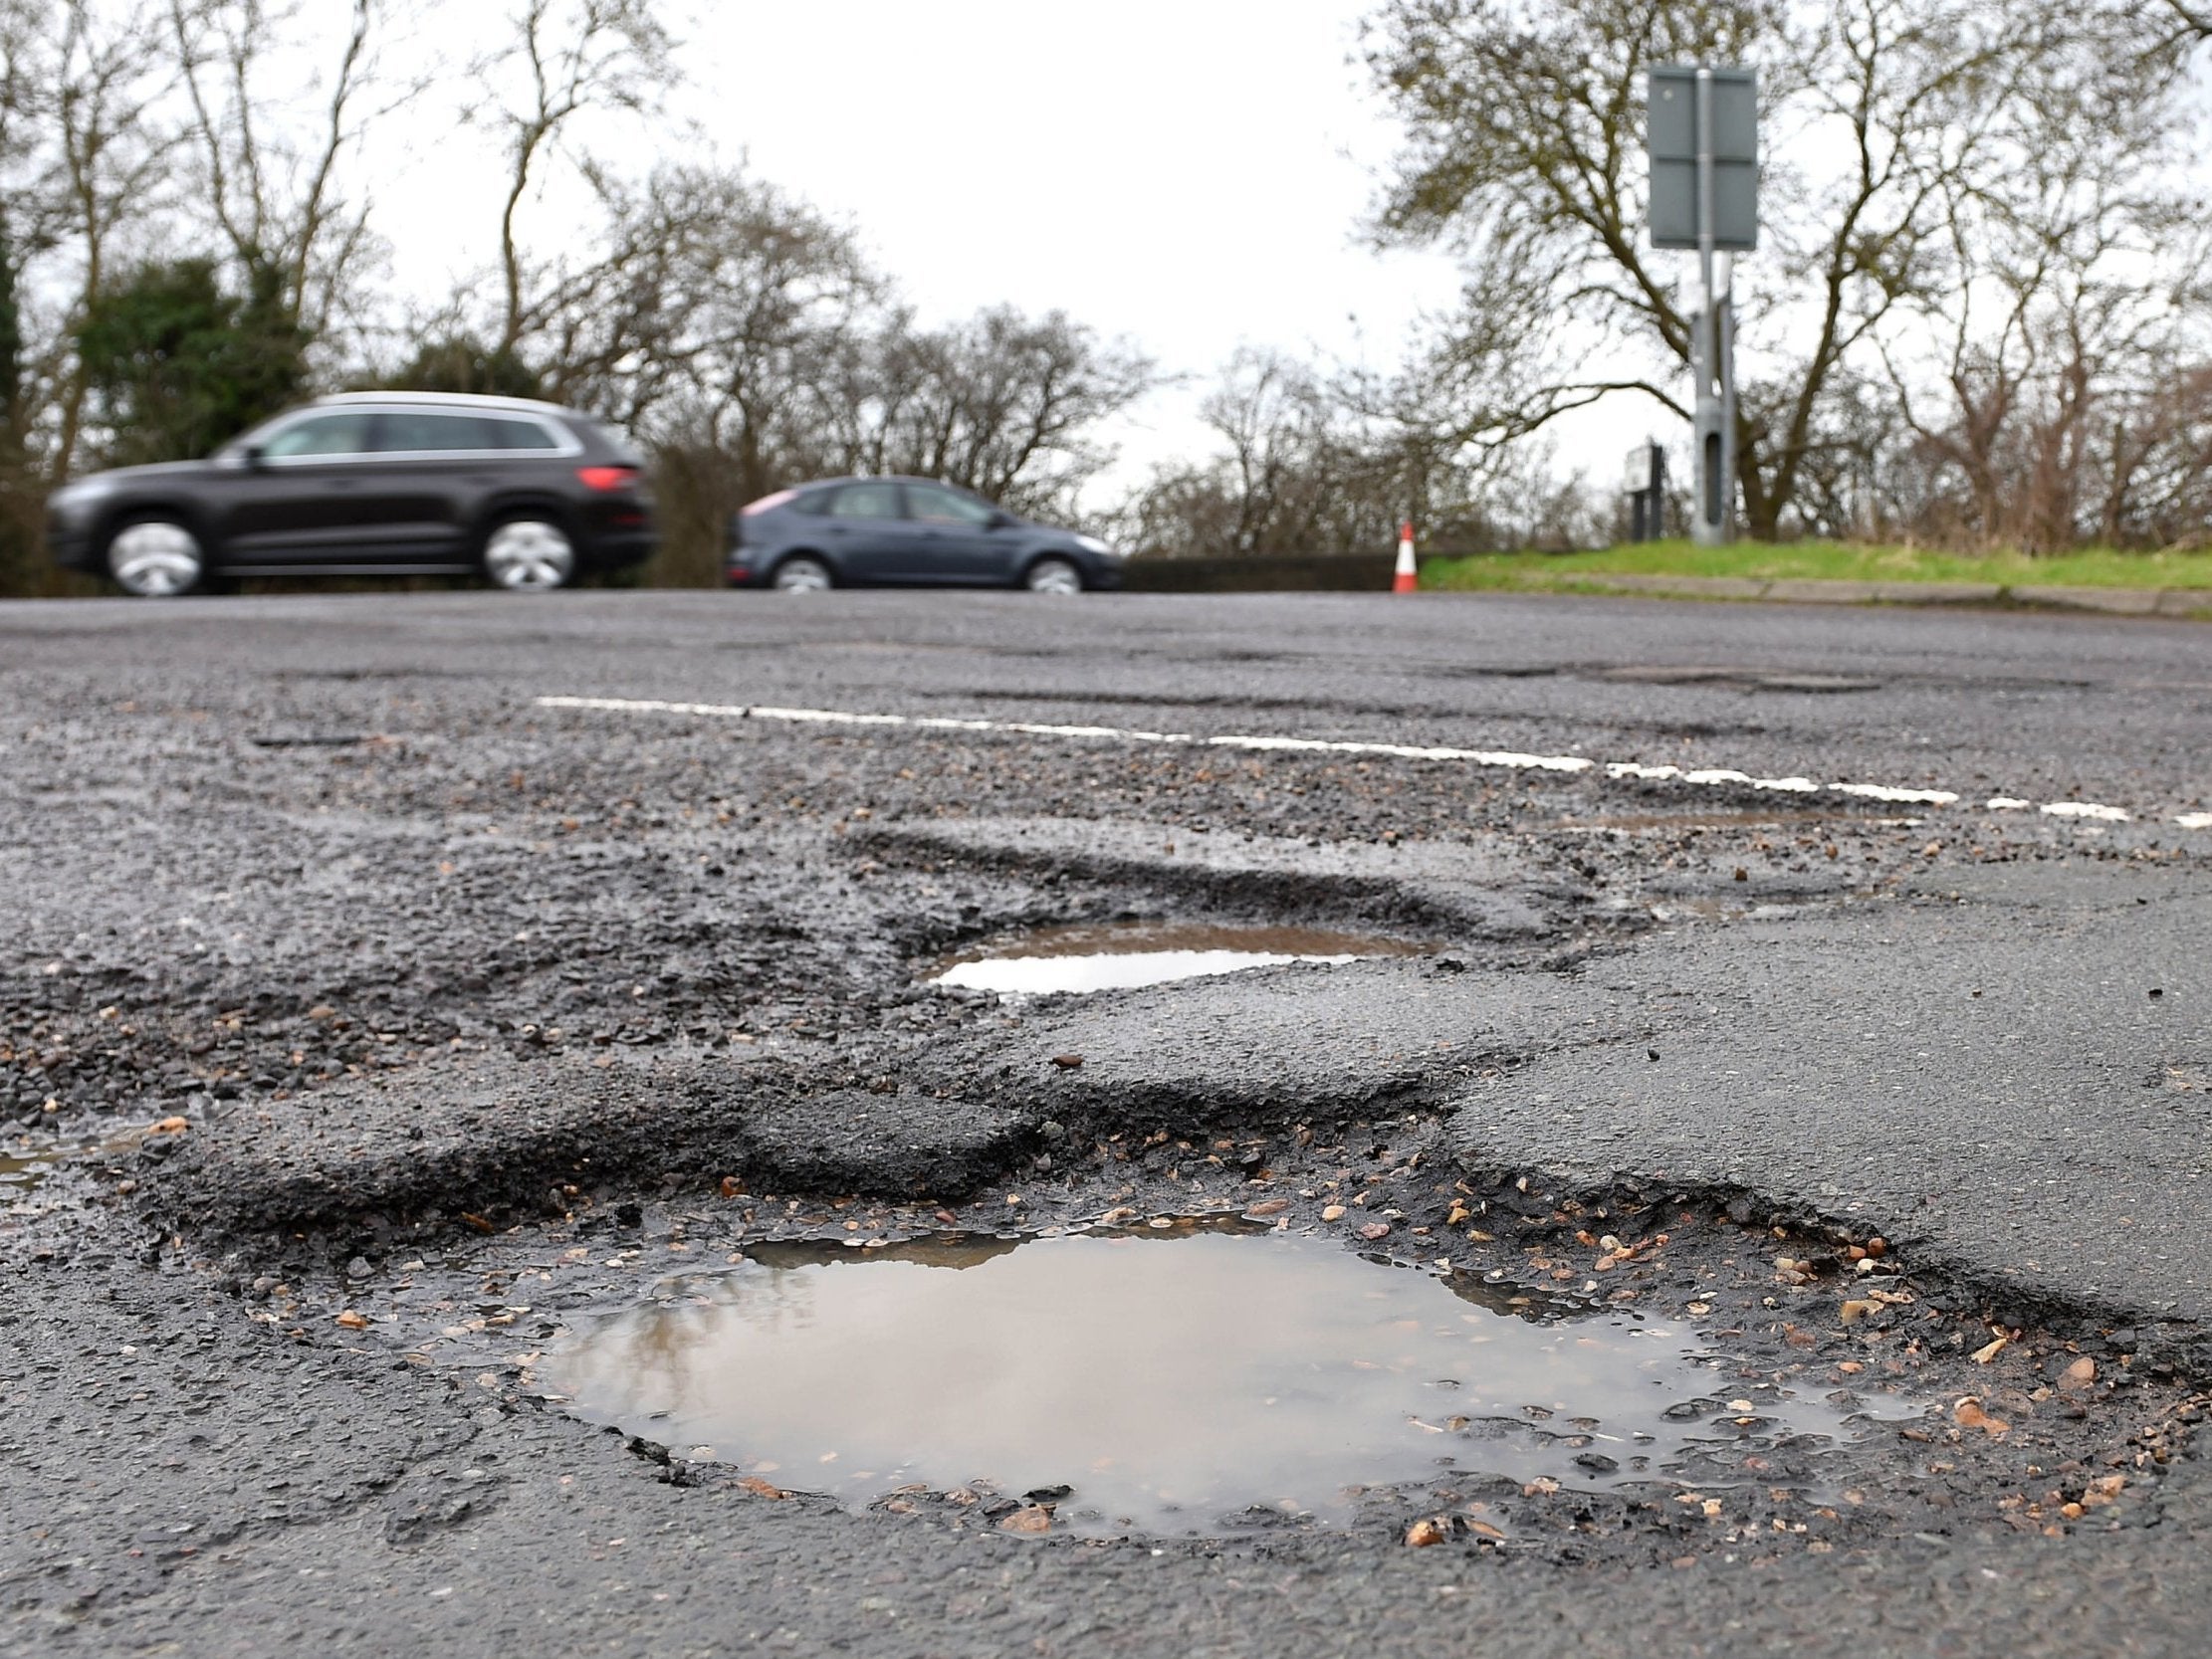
<point>370,483</point>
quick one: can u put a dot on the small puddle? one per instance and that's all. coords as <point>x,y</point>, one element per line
<point>19,1171</point>
<point>1121,955</point>
<point>27,1161</point>
<point>31,1160</point>
<point>1166,1380</point>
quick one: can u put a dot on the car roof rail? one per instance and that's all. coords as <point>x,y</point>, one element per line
<point>463,400</point>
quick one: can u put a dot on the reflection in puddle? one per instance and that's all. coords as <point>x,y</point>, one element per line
<point>1166,1379</point>
<point>32,1158</point>
<point>1118,956</point>
<point>19,1173</point>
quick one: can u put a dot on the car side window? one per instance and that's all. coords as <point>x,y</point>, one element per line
<point>867,501</point>
<point>416,432</point>
<point>933,504</point>
<point>512,434</point>
<point>341,433</point>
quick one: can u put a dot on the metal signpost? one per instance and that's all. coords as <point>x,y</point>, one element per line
<point>1647,492</point>
<point>1702,139</point>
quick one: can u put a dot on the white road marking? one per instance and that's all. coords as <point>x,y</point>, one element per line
<point>1884,792</point>
<point>2085,810</point>
<point>1499,758</point>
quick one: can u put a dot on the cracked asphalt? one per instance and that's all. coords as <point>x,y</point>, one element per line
<point>368,1022</point>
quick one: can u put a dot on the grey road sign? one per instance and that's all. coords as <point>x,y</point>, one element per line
<point>1701,132</point>
<point>1647,492</point>
<point>1670,140</point>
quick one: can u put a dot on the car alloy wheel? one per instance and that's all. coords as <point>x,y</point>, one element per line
<point>155,559</point>
<point>800,574</point>
<point>1053,575</point>
<point>530,556</point>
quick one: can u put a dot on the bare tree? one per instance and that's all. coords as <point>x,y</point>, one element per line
<point>1525,152</point>
<point>2061,297</point>
<point>1300,468</point>
<point>721,320</point>
<point>106,153</point>
<point>1006,405</point>
<point>1273,415</point>
<point>2188,21</point>
<point>273,183</point>
<point>568,58</point>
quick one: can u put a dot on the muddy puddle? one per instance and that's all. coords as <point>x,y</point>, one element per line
<point>22,1169</point>
<point>27,1163</point>
<point>1120,956</point>
<point>28,1160</point>
<point>1170,1381</point>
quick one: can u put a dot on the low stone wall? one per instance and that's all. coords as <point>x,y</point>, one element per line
<point>1263,573</point>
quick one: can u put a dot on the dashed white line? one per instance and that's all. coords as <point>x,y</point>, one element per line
<point>2085,810</point>
<point>1884,792</point>
<point>1499,758</point>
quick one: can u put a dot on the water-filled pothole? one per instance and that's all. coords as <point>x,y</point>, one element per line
<point>27,1163</point>
<point>1170,1380</point>
<point>20,1171</point>
<point>1122,955</point>
<point>32,1158</point>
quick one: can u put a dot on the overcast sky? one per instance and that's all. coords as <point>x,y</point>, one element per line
<point>1190,173</point>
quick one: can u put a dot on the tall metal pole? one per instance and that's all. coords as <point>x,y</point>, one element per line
<point>1711,514</point>
<point>1724,329</point>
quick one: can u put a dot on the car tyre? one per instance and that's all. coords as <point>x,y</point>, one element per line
<point>529,552</point>
<point>1052,575</point>
<point>802,573</point>
<point>156,556</point>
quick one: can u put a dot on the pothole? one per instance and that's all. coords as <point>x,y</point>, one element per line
<point>1122,956</point>
<point>1173,1380</point>
<point>20,1171</point>
<point>30,1160</point>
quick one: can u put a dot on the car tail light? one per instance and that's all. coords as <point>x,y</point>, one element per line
<point>606,477</point>
<point>765,502</point>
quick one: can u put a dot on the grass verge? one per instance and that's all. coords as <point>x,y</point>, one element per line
<point>1818,561</point>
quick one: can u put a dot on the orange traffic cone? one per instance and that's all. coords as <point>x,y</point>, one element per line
<point>1407,578</point>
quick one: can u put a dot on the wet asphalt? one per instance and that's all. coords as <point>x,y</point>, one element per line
<point>446,983</point>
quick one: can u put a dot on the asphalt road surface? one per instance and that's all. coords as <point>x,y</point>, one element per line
<point>397,983</point>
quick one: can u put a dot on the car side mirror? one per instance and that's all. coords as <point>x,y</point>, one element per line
<point>1001,519</point>
<point>253,457</point>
